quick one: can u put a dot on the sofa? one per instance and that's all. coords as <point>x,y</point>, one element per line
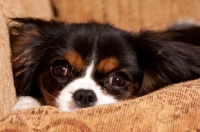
<point>173,108</point>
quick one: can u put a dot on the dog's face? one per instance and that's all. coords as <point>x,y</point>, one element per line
<point>74,65</point>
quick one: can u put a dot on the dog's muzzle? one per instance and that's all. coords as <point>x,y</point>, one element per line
<point>84,98</point>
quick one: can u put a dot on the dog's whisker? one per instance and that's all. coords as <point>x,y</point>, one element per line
<point>48,93</point>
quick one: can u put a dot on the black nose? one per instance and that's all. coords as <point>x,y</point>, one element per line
<point>85,98</point>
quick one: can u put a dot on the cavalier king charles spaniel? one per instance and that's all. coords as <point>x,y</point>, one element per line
<point>78,65</point>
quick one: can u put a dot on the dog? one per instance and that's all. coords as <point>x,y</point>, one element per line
<point>78,65</point>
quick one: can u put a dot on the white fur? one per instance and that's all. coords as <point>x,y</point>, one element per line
<point>25,102</point>
<point>65,100</point>
<point>184,24</point>
<point>188,21</point>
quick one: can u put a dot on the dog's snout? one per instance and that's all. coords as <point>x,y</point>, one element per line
<point>85,98</point>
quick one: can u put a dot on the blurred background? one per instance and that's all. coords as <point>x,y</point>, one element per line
<point>131,15</point>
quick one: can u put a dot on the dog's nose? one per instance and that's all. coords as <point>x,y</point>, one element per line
<point>85,98</point>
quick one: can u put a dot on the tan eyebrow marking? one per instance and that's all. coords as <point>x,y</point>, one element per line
<point>107,65</point>
<point>75,60</point>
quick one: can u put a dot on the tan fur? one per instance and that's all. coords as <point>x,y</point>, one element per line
<point>107,65</point>
<point>75,60</point>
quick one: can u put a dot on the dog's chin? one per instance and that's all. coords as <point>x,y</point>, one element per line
<point>68,107</point>
<point>66,102</point>
<point>72,106</point>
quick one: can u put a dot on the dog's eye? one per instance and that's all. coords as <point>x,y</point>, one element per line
<point>117,80</point>
<point>60,70</point>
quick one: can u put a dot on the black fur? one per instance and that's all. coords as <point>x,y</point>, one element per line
<point>149,60</point>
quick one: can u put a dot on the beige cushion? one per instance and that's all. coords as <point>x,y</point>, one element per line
<point>176,108</point>
<point>14,8</point>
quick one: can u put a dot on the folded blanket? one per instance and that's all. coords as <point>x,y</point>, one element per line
<point>174,108</point>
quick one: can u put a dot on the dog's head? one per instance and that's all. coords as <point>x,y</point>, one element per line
<point>80,65</point>
<point>74,65</point>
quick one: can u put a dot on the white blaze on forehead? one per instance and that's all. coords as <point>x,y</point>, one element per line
<point>89,71</point>
<point>65,100</point>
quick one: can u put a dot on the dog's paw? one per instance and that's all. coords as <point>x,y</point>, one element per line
<point>25,102</point>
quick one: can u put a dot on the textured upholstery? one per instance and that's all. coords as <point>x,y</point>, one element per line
<point>175,108</point>
<point>8,9</point>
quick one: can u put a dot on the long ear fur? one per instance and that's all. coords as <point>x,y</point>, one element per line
<point>168,57</point>
<point>29,39</point>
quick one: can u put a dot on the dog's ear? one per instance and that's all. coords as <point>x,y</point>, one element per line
<point>152,59</point>
<point>166,57</point>
<point>29,39</point>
